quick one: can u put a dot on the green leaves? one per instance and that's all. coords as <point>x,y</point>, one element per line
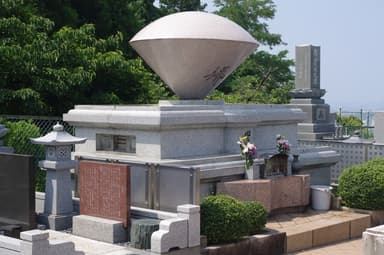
<point>44,72</point>
<point>349,121</point>
<point>49,65</point>
<point>172,6</point>
<point>264,77</point>
<point>223,219</point>
<point>226,219</point>
<point>251,15</point>
<point>362,186</point>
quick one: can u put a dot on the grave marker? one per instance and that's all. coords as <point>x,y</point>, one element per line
<point>105,190</point>
<point>17,190</point>
<point>307,95</point>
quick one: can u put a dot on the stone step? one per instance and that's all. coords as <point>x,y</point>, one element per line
<point>317,228</point>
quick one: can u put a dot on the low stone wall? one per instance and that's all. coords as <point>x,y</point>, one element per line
<point>35,242</point>
<point>377,216</point>
<point>276,195</point>
<point>267,243</point>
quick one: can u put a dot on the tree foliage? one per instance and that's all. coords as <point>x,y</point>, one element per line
<point>362,186</point>
<point>58,53</point>
<point>47,72</point>
<point>348,121</point>
<point>171,6</point>
<point>252,16</point>
<point>108,16</point>
<point>264,77</point>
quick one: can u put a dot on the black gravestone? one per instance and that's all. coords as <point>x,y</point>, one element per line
<point>17,191</point>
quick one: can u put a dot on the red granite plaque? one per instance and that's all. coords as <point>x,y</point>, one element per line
<point>105,190</point>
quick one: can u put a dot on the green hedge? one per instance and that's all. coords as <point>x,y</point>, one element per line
<point>362,186</point>
<point>18,138</point>
<point>226,219</point>
<point>256,216</point>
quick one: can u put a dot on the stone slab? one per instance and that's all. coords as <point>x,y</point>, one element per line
<point>273,194</point>
<point>56,222</point>
<point>331,234</point>
<point>99,229</point>
<point>290,191</point>
<point>17,190</point>
<point>269,242</point>
<point>377,216</point>
<point>105,190</point>
<point>379,127</point>
<point>299,241</point>
<point>248,190</point>
<point>307,67</point>
<point>359,225</point>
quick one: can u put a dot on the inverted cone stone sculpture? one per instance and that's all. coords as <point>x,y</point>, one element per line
<point>193,52</point>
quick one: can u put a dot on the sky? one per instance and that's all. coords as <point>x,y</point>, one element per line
<point>350,34</point>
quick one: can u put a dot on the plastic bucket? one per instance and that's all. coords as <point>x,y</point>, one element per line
<point>321,197</point>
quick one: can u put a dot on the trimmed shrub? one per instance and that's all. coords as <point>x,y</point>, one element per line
<point>18,138</point>
<point>256,216</point>
<point>362,186</point>
<point>226,219</point>
<point>223,219</point>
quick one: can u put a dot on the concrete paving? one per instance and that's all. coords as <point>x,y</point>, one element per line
<point>309,233</point>
<point>350,247</point>
<point>318,228</point>
<point>92,247</point>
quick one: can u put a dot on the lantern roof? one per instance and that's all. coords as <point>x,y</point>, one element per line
<point>58,137</point>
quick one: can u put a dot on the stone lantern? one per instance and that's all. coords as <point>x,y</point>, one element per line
<point>3,132</point>
<point>58,207</point>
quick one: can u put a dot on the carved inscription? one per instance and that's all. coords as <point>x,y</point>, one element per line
<point>320,114</point>
<point>307,67</point>
<point>315,70</point>
<point>105,190</point>
<point>217,75</point>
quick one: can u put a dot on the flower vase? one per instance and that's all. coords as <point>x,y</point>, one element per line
<point>252,172</point>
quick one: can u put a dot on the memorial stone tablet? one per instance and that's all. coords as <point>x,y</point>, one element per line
<point>17,191</point>
<point>105,190</point>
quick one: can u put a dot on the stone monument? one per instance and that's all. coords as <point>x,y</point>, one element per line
<point>104,201</point>
<point>193,52</point>
<point>17,193</point>
<point>3,132</point>
<point>307,95</point>
<point>58,207</point>
<point>180,150</point>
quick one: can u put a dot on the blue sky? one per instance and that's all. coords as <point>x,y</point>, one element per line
<point>351,36</point>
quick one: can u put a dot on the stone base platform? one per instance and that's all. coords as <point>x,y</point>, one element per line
<point>55,222</point>
<point>266,243</point>
<point>285,194</point>
<point>317,228</point>
<point>105,230</point>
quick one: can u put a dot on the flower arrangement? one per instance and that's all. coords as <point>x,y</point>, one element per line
<point>247,149</point>
<point>282,145</point>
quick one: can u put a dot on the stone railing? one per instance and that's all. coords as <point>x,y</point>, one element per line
<point>35,242</point>
<point>179,232</point>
